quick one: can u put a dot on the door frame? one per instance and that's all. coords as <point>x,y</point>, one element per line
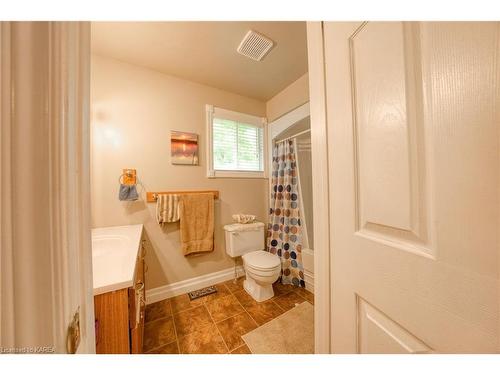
<point>321,199</point>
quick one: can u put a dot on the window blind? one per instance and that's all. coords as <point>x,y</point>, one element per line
<point>237,146</point>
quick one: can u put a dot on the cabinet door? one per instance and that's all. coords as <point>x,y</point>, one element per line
<point>112,316</point>
<point>137,335</point>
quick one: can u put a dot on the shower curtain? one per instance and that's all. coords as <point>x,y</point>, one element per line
<point>284,237</point>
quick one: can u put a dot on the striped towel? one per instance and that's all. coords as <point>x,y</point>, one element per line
<point>167,208</point>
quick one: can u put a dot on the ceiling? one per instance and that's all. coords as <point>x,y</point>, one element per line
<point>205,52</point>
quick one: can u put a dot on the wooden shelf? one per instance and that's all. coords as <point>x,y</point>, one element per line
<point>151,196</point>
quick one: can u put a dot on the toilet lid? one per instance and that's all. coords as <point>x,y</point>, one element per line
<point>262,259</point>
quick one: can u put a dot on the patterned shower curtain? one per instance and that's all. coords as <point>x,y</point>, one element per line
<point>284,236</point>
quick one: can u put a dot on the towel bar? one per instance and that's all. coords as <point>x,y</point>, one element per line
<point>152,196</point>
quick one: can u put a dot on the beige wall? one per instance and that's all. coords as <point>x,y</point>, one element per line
<point>133,110</point>
<point>291,97</point>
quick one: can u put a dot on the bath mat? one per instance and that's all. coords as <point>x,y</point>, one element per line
<point>290,333</point>
<point>202,292</point>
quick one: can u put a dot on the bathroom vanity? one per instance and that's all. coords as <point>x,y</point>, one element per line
<point>119,289</point>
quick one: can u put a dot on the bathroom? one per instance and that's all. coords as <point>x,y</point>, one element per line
<point>140,94</point>
<point>168,189</point>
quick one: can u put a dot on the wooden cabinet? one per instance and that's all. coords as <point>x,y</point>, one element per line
<point>119,315</point>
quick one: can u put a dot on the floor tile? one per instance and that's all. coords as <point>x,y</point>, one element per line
<point>223,308</point>
<point>191,320</point>
<point>171,348</point>
<point>263,312</point>
<point>235,287</point>
<point>280,289</point>
<point>158,333</point>
<point>289,300</point>
<point>204,341</point>
<point>222,291</point>
<point>244,298</point>
<point>234,311</point>
<point>307,295</point>
<point>241,350</point>
<point>182,303</point>
<point>158,310</point>
<point>233,328</point>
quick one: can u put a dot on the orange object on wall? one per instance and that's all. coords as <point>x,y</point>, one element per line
<point>129,177</point>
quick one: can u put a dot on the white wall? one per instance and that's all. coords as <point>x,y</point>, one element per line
<point>294,95</point>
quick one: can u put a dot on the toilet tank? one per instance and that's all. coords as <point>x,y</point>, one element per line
<point>244,238</point>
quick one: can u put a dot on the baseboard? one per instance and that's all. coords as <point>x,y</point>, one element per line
<point>185,286</point>
<point>309,280</point>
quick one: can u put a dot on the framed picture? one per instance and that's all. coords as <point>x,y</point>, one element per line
<point>184,148</point>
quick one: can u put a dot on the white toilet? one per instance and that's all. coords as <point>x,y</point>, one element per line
<point>261,267</point>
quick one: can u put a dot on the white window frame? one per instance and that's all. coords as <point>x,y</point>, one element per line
<point>261,122</point>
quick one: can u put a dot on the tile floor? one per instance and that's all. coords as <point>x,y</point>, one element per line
<point>215,323</point>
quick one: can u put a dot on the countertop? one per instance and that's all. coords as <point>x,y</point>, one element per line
<point>114,256</point>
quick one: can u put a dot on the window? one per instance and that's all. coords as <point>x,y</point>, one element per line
<point>235,144</point>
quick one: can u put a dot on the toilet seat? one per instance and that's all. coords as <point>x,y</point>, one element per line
<point>263,273</point>
<point>262,261</point>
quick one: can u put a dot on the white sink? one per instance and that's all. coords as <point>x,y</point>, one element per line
<point>114,255</point>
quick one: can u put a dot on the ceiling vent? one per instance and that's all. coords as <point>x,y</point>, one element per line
<point>255,45</point>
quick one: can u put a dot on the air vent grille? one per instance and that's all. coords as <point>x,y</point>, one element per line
<point>255,45</point>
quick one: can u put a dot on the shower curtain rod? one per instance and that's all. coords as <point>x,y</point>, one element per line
<point>293,136</point>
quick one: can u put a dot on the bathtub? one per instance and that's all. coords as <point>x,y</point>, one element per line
<point>308,263</point>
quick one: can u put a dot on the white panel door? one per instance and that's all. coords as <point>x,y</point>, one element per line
<point>413,143</point>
